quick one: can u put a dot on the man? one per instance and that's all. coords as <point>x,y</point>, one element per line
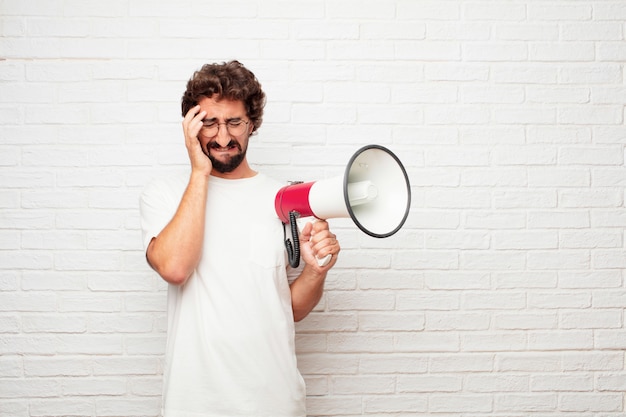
<point>214,236</point>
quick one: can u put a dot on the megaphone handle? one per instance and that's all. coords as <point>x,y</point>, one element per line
<point>324,261</point>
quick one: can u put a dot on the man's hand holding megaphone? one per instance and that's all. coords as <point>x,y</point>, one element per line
<point>318,246</point>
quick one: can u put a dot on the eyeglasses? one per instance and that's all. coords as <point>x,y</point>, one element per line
<point>235,127</point>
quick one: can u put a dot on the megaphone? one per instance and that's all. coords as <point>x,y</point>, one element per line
<point>374,192</point>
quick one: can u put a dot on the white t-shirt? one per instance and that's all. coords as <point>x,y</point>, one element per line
<point>230,346</point>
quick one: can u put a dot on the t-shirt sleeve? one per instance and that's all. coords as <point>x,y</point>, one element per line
<point>293,273</point>
<point>158,203</point>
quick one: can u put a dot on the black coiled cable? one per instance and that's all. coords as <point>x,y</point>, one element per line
<point>293,250</point>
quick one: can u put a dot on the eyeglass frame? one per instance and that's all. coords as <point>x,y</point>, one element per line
<point>226,123</point>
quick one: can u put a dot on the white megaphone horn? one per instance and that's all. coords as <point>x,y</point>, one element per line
<point>374,191</point>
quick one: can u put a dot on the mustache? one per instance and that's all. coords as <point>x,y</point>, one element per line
<point>231,144</point>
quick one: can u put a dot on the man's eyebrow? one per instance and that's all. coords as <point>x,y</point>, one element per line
<point>230,119</point>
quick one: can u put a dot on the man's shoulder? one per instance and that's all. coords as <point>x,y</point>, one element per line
<point>170,182</point>
<point>267,180</point>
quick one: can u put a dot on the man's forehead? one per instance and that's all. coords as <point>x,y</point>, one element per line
<point>215,103</point>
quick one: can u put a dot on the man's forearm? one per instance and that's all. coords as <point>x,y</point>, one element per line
<point>176,251</point>
<point>306,292</point>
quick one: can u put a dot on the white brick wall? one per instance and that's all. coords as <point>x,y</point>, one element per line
<point>505,293</point>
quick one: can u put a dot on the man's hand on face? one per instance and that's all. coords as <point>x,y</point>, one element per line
<point>192,123</point>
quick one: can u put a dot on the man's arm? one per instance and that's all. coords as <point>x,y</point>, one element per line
<point>316,241</point>
<point>176,251</point>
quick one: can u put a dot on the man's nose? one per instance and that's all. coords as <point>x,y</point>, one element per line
<point>223,137</point>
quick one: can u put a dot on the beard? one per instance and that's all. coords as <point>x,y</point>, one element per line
<point>231,162</point>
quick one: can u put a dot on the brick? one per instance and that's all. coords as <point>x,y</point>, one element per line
<point>610,298</point>
<point>455,321</point>
<point>67,406</point>
<point>17,388</point>
<point>145,345</point>
<point>599,115</point>
<point>351,385</point>
<point>480,177</point>
<point>427,51</point>
<point>497,383</point>
<point>527,32</point>
<point>429,383</point>
<point>574,259</point>
<point>332,406</point>
<point>556,219</point>
<point>395,404</point>
<point>591,402</point>
<point>535,279</point>
<point>323,363</point>
<point>494,342</point>
<point>495,52</point>
<point>387,364</point>
<point>53,324</point>
<point>457,30</point>
<point>18,408</point>
<point>55,367</point>
<point>526,321</point>
<point>104,323</point>
<point>329,322</point>
<point>559,177</point>
<point>592,361</point>
<point>591,31</point>
<point>560,11</point>
<point>495,220</point>
<point>124,365</point>
<point>528,362</point>
<point>131,407</point>
<point>561,340</point>
<point>598,76</point>
<point>559,299</point>
<point>11,367</point>
<point>9,324</point>
<point>562,382</point>
<point>493,260</point>
<point>567,95</point>
<point>525,240</point>
<point>562,52</point>
<point>449,403</point>
<point>28,301</point>
<point>610,339</point>
<point>612,382</point>
<point>442,71</point>
<point>450,280</point>
<point>147,387</point>
<point>391,322</point>
<point>430,10</point>
<point>526,402</point>
<point>590,239</point>
<point>427,301</point>
<point>401,30</point>
<point>426,342</point>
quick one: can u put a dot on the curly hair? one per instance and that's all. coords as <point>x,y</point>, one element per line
<point>230,80</point>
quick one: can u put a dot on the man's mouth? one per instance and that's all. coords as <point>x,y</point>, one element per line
<point>230,146</point>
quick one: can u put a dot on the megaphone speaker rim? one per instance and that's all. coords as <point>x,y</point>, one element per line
<point>353,215</point>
